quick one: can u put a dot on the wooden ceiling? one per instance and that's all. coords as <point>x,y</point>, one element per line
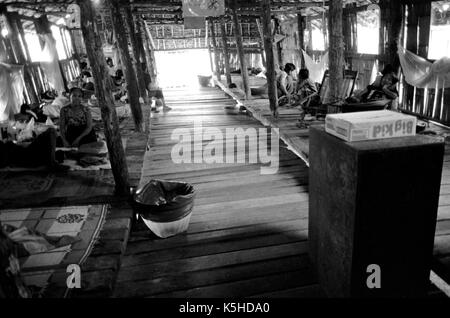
<point>170,11</point>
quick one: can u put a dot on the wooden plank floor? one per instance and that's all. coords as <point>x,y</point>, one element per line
<point>248,232</point>
<point>298,141</point>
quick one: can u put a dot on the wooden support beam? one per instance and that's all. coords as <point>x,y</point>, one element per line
<point>137,55</point>
<point>226,54</point>
<point>336,60</point>
<point>216,51</point>
<point>244,71</point>
<point>301,25</point>
<point>268,48</point>
<point>150,54</point>
<point>261,34</point>
<point>103,90</point>
<point>141,42</point>
<point>390,30</point>
<point>130,75</point>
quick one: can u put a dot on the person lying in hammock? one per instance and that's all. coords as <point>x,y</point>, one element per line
<point>384,86</point>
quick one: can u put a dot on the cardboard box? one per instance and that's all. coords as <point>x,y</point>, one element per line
<point>370,125</point>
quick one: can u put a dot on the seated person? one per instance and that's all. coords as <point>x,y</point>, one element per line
<point>384,86</point>
<point>285,82</point>
<point>156,94</point>
<point>76,122</point>
<point>305,86</point>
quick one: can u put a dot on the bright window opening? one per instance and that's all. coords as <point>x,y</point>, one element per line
<point>59,42</point>
<point>181,68</point>
<point>318,40</point>
<point>439,45</point>
<point>34,47</point>
<point>368,31</point>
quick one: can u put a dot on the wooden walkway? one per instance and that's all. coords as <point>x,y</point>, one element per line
<point>248,232</point>
<point>298,141</point>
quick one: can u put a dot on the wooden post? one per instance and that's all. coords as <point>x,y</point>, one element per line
<point>140,43</point>
<point>240,49</point>
<point>301,37</point>
<point>390,29</point>
<point>136,54</point>
<point>336,60</point>
<point>12,21</point>
<point>268,47</point>
<point>216,51</point>
<point>151,55</point>
<point>130,76</point>
<point>225,52</point>
<point>103,91</point>
<point>260,31</point>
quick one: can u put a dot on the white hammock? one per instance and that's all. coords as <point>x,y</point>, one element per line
<point>316,70</point>
<point>11,90</point>
<point>420,73</point>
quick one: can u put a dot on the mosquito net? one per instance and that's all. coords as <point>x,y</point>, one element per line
<point>421,73</point>
<point>11,90</point>
<point>316,70</point>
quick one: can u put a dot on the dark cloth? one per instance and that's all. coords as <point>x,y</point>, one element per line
<point>74,131</point>
<point>40,152</point>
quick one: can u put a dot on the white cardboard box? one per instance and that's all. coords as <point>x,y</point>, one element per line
<point>370,125</point>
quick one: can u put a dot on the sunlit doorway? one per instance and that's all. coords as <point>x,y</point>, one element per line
<point>181,68</point>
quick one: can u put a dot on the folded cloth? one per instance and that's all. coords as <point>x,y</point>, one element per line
<point>34,242</point>
<point>87,161</point>
<point>94,148</point>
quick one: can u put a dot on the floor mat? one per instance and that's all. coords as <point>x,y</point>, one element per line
<point>67,188</point>
<point>82,222</point>
<point>24,185</point>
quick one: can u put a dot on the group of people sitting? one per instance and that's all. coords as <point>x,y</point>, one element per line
<point>293,89</point>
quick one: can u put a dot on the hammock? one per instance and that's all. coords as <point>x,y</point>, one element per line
<point>420,73</point>
<point>11,90</point>
<point>316,70</point>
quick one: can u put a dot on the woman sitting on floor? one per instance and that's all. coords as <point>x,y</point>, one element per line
<point>76,122</point>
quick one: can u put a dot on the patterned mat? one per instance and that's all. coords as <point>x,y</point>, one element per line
<point>23,185</point>
<point>81,222</point>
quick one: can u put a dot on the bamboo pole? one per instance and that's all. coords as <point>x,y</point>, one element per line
<point>151,55</point>
<point>238,35</point>
<point>268,47</point>
<point>103,90</point>
<point>130,76</point>
<point>263,57</point>
<point>301,38</point>
<point>336,60</point>
<point>137,55</point>
<point>225,51</point>
<point>216,51</point>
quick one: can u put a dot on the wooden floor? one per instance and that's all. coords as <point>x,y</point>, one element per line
<point>247,234</point>
<point>298,141</point>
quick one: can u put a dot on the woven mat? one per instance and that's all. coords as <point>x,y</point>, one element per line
<point>23,185</point>
<point>82,222</point>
